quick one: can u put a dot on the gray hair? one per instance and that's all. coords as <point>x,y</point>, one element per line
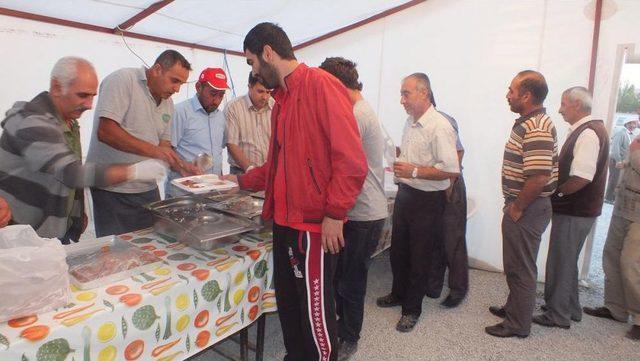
<point>65,71</point>
<point>423,83</point>
<point>580,94</point>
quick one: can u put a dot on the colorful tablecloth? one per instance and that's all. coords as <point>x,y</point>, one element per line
<point>193,301</point>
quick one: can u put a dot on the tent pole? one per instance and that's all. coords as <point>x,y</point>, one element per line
<point>594,45</point>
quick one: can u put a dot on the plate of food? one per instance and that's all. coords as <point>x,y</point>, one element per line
<point>203,183</point>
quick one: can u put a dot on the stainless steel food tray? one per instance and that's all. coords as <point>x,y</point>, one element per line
<point>243,206</point>
<point>188,220</point>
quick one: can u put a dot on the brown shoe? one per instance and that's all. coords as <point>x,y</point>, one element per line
<point>500,331</point>
<point>407,323</point>
<point>388,301</point>
<point>498,311</point>
<point>633,333</point>
<point>601,312</point>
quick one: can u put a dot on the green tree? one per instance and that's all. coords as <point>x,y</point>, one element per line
<point>628,101</point>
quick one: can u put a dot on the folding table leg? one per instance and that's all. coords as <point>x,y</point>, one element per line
<point>260,338</point>
<point>244,344</point>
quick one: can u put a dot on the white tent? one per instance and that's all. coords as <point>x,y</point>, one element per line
<point>470,48</point>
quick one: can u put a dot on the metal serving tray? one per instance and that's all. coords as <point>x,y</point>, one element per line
<point>188,220</point>
<point>243,206</point>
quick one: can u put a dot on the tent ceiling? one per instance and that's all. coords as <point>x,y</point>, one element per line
<point>214,24</point>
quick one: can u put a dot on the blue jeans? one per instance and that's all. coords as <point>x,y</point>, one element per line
<point>361,239</point>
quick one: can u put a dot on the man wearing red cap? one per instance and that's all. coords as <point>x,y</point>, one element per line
<point>198,126</point>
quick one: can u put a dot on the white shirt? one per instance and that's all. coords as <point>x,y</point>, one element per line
<point>585,151</point>
<point>429,142</point>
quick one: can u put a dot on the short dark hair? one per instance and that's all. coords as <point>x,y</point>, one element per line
<point>169,58</point>
<point>534,83</point>
<point>268,34</point>
<point>253,80</point>
<point>344,70</point>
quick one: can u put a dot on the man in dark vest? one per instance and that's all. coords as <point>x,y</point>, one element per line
<point>576,204</point>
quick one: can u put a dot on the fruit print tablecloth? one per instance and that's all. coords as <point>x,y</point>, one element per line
<point>193,301</point>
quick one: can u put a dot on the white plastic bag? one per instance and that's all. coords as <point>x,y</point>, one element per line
<point>33,273</point>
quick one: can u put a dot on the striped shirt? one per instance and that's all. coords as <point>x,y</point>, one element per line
<point>532,149</point>
<point>249,128</point>
<point>41,172</point>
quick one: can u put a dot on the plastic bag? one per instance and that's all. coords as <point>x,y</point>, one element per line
<point>389,149</point>
<point>33,273</point>
<point>106,260</point>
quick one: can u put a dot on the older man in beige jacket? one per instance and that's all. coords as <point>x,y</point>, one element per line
<point>621,255</point>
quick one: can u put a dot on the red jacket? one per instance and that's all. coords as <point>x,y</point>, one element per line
<point>324,163</point>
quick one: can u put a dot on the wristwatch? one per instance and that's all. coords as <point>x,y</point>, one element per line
<point>414,174</point>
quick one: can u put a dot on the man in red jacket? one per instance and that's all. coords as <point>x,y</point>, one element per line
<point>313,174</point>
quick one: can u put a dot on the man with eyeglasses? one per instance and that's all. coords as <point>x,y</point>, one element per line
<point>199,125</point>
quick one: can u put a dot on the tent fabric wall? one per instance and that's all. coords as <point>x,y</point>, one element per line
<point>470,49</point>
<point>31,49</point>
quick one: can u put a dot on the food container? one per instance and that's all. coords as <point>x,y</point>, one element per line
<point>106,260</point>
<point>243,206</point>
<point>203,183</point>
<point>190,220</point>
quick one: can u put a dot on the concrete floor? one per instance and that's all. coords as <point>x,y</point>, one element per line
<point>458,334</point>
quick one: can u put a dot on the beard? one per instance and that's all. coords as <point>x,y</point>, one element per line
<point>515,107</point>
<point>268,75</point>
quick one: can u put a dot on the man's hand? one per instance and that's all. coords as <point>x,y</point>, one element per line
<point>189,169</point>
<point>448,192</point>
<point>169,155</point>
<point>402,169</point>
<point>332,239</point>
<point>5,212</point>
<point>147,170</point>
<point>620,165</point>
<point>514,212</point>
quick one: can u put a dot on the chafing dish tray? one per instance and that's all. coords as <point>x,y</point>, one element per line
<point>243,206</point>
<point>188,220</point>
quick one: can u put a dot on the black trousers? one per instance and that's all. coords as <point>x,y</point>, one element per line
<point>416,242</point>
<point>361,239</point>
<point>454,234</point>
<point>117,213</point>
<point>303,277</point>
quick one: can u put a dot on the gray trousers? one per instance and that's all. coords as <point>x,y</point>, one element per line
<point>568,234</point>
<point>621,265</point>
<point>454,231</point>
<point>520,245</point>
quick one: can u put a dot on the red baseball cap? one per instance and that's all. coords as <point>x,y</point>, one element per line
<point>214,77</point>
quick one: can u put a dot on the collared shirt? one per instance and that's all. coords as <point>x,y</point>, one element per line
<point>249,128</point>
<point>195,131</point>
<point>454,124</point>
<point>124,97</point>
<point>531,149</point>
<point>429,141</point>
<point>585,151</point>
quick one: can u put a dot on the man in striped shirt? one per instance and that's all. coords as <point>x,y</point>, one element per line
<point>529,177</point>
<point>41,172</point>
<point>249,127</point>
